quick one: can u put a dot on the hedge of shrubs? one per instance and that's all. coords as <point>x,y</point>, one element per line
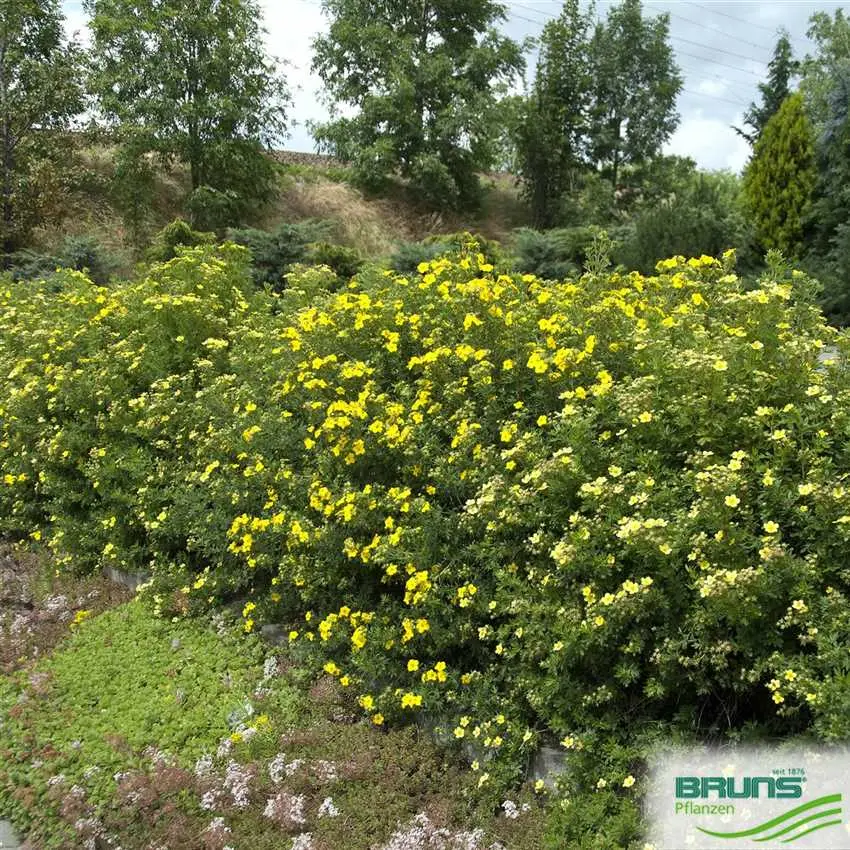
<point>570,509</point>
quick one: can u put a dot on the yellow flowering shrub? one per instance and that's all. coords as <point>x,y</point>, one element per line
<point>540,507</point>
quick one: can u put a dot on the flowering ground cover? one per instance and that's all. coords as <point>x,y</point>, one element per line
<point>594,512</point>
<point>138,732</point>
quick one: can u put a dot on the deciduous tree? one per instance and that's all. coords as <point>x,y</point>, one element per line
<point>421,78</point>
<point>636,83</point>
<point>190,79</point>
<point>39,95</point>
<point>551,138</point>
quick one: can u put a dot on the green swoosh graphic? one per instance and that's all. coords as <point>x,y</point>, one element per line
<point>813,829</point>
<point>824,814</point>
<point>829,798</point>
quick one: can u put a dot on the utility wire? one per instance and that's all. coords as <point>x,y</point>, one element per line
<point>523,18</point>
<point>701,58</point>
<point>718,49</point>
<point>771,30</point>
<point>710,60</point>
<point>532,9</point>
<point>716,97</point>
<point>703,26</point>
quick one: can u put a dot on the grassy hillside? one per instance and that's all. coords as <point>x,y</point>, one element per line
<point>310,188</point>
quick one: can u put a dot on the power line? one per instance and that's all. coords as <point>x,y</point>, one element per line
<point>673,38</point>
<point>717,49</point>
<point>702,59</point>
<point>716,97</point>
<point>713,61</point>
<point>532,9</point>
<point>771,30</point>
<point>523,18</point>
<point>703,26</point>
<point>725,80</point>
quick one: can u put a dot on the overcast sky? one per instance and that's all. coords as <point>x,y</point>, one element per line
<point>722,48</point>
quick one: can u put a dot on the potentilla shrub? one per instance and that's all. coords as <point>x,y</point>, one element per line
<point>525,508</point>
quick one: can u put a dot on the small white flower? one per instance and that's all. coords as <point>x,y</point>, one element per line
<point>203,766</point>
<point>328,809</point>
<point>511,810</point>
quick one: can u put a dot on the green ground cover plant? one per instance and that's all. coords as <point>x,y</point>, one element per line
<point>125,682</point>
<point>141,731</point>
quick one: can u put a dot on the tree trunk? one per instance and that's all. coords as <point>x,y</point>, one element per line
<point>8,155</point>
<point>8,190</point>
<point>615,168</point>
<point>195,165</point>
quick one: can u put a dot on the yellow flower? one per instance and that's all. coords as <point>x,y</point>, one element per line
<point>410,700</point>
<point>732,501</point>
<point>628,781</point>
<point>378,719</point>
<point>79,617</point>
<point>537,363</point>
<point>412,665</point>
<point>771,527</point>
<point>646,416</point>
<point>358,639</point>
<point>331,669</point>
<point>367,702</point>
<point>507,365</point>
<point>720,365</point>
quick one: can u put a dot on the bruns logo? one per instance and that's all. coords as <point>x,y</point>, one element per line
<point>800,820</point>
<point>762,798</point>
<point>746,788</point>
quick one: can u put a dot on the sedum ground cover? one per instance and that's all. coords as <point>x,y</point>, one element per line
<point>140,732</point>
<point>593,512</point>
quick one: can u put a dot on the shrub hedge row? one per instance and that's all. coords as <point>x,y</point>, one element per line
<point>565,508</point>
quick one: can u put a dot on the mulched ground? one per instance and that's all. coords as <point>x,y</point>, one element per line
<point>38,607</point>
